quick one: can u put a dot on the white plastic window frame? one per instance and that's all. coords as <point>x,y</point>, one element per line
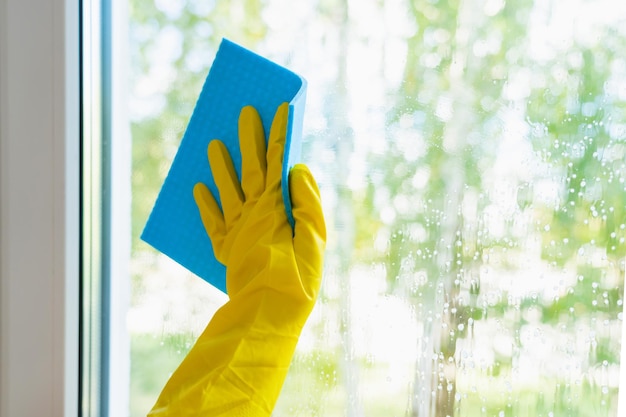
<point>39,207</point>
<point>51,364</point>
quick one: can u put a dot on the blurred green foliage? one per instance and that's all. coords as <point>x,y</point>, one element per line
<point>430,194</point>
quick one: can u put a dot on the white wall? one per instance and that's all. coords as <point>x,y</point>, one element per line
<point>39,216</point>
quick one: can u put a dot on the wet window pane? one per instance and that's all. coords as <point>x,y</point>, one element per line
<point>471,156</point>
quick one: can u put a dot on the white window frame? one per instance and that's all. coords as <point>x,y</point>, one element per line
<point>39,207</point>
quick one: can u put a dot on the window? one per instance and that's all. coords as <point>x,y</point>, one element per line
<point>471,156</point>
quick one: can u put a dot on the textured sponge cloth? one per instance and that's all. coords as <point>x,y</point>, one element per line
<point>237,78</point>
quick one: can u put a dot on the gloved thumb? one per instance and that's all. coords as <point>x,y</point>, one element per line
<point>309,238</point>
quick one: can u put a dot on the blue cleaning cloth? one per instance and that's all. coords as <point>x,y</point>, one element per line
<point>237,78</point>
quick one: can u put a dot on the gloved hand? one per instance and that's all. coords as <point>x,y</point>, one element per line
<point>273,273</point>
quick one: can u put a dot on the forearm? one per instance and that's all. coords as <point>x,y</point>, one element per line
<point>239,363</point>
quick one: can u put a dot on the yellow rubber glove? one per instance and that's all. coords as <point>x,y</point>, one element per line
<point>239,363</point>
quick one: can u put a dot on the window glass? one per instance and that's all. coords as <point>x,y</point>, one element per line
<point>471,158</point>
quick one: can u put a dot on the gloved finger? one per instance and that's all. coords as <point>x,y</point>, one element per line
<point>309,240</point>
<point>252,145</point>
<point>212,217</point>
<point>276,145</point>
<point>227,182</point>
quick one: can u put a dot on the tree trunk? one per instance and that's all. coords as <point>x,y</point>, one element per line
<point>438,364</point>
